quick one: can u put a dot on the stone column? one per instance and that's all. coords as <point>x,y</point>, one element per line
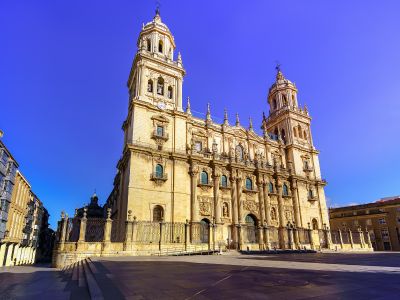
<point>2,253</point>
<point>128,232</point>
<point>260,237</point>
<point>64,220</point>
<point>368,239</point>
<point>107,231</point>
<point>193,186</point>
<point>143,85</point>
<point>10,251</point>
<point>361,237</point>
<point>340,238</point>
<point>267,207</point>
<point>134,230</point>
<point>261,202</point>
<point>296,238</point>
<point>187,234</point>
<point>328,237</point>
<point>107,227</point>
<point>351,239</point>
<point>239,196</point>
<point>235,219</point>
<point>82,230</point>
<point>311,238</point>
<point>179,95</point>
<point>296,204</point>
<point>217,206</point>
<point>240,236</point>
<point>266,237</point>
<point>281,212</point>
<point>291,238</point>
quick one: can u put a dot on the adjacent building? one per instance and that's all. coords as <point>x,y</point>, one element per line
<point>381,219</point>
<point>21,214</point>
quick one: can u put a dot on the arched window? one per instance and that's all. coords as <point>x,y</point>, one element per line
<point>224,181</point>
<point>204,177</point>
<point>284,100</point>
<point>160,86</point>
<point>271,187</point>
<point>273,214</point>
<point>300,132</point>
<point>249,184</point>
<point>169,92</point>
<point>304,134</point>
<point>310,194</point>
<point>159,171</point>
<point>276,132</point>
<point>274,104</point>
<point>239,152</point>
<point>295,131</point>
<point>150,86</point>
<point>250,220</point>
<point>148,45</point>
<point>160,46</point>
<point>158,213</point>
<point>285,191</point>
<point>314,224</point>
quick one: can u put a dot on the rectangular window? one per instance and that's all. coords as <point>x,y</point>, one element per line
<point>160,130</point>
<point>382,221</point>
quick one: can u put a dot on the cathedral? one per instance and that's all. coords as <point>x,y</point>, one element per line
<point>225,182</point>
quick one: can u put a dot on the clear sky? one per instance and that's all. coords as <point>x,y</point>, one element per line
<point>64,67</point>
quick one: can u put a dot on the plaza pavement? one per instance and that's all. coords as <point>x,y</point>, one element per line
<point>230,276</point>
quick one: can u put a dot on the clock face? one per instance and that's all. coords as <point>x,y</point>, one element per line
<point>161,105</point>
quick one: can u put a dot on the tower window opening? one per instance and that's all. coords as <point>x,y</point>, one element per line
<point>285,102</point>
<point>271,187</point>
<point>295,131</point>
<point>160,46</point>
<point>169,92</point>
<point>148,45</point>
<point>160,86</point>
<point>304,134</point>
<point>300,132</point>
<point>150,86</point>
<point>283,135</point>
<point>274,104</point>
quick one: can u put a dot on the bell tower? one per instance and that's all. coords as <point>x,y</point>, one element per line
<point>286,119</point>
<point>156,76</point>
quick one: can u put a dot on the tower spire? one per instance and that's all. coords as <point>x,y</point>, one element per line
<point>188,111</point>
<point>237,120</point>
<point>226,122</point>
<point>208,115</point>
<point>250,124</point>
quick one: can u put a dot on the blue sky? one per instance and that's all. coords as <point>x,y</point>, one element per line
<point>64,67</point>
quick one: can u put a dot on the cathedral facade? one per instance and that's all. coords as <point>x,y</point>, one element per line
<point>224,181</point>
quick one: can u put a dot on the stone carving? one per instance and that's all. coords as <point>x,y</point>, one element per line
<point>250,205</point>
<point>205,208</point>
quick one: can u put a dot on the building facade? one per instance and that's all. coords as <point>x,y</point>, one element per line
<point>186,184</point>
<point>177,167</point>
<point>8,169</point>
<point>381,219</point>
<point>21,214</point>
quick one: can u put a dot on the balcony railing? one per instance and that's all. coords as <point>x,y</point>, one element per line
<point>157,176</point>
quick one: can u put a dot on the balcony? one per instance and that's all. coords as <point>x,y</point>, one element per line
<point>158,178</point>
<point>163,137</point>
